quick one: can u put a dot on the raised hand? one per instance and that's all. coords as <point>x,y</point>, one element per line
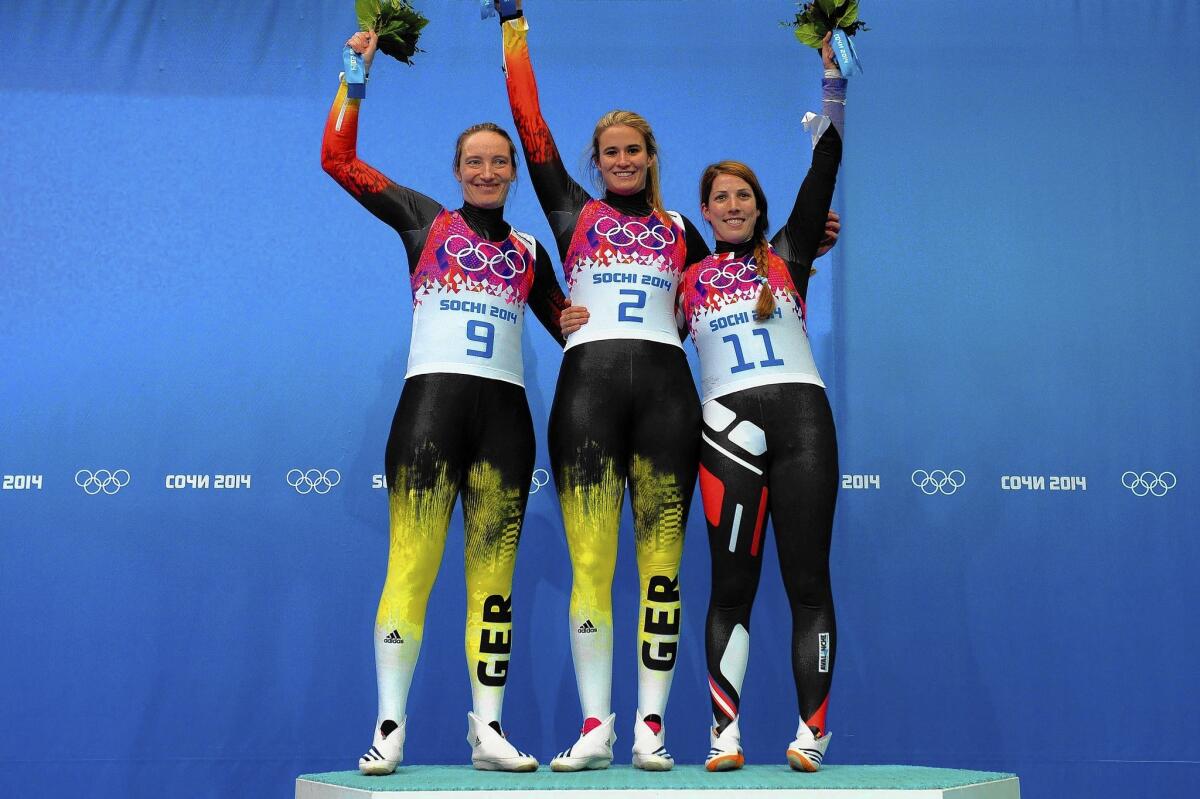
<point>827,52</point>
<point>365,43</point>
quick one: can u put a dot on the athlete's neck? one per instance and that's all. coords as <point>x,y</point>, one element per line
<point>740,250</point>
<point>487,222</point>
<point>636,204</point>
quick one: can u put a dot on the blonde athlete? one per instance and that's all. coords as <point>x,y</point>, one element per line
<point>625,409</point>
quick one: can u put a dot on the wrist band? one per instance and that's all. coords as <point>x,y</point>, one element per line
<point>356,74</point>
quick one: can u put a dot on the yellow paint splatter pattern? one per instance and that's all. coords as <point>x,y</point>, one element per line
<point>492,514</point>
<point>591,496</point>
<point>420,501</point>
<point>658,515</point>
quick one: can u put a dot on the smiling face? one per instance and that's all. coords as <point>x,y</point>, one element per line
<point>731,209</point>
<point>623,159</point>
<point>485,170</point>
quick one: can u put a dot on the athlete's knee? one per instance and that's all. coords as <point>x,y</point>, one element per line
<point>403,582</point>
<point>592,582</point>
<point>809,590</point>
<point>733,590</point>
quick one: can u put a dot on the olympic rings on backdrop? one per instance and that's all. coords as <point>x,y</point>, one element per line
<point>110,482</point>
<point>624,234</point>
<point>541,478</point>
<point>939,481</point>
<point>314,480</point>
<point>721,277</point>
<point>1149,483</point>
<point>475,257</point>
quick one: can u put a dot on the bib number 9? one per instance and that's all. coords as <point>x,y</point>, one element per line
<point>483,333</point>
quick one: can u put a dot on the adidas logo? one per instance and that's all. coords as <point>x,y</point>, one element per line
<point>587,627</point>
<point>393,638</point>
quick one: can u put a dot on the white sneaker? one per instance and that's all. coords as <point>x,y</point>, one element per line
<point>491,751</point>
<point>649,749</point>
<point>593,750</point>
<point>387,750</point>
<point>725,750</point>
<point>807,751</point>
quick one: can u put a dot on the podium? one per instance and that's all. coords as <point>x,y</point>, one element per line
<point>682,782</point>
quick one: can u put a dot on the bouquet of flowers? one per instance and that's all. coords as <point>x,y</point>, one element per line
<point>396,22</point>
<point>815,19</point>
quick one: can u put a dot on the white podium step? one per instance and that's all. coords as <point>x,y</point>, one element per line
<point>683,782</point>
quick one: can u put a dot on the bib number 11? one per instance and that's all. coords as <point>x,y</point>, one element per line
<point>742,364</point>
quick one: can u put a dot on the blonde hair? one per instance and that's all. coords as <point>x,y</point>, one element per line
<point>766,300</point>
<point>636,121</point>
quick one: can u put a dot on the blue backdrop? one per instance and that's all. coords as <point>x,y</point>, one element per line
<point>185,297</point>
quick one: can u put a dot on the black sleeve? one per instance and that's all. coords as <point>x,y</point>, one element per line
<point>798,240</point>
<point>697,247</point>
<point>409,212</point>
<point>546,299</point>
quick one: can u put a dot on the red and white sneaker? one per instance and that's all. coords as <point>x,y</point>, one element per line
<point>649,744</point>
<point>807,751</point>
<point>725,750</point>
<point>387,749</point>
<point>593,750</point>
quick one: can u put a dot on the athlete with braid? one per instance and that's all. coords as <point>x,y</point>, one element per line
<point>625,409</point>
<point>462,425</point>
<point>769,445</point>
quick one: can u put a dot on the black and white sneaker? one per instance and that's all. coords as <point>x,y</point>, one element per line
<point>491,751</point>
<point>387,750</point>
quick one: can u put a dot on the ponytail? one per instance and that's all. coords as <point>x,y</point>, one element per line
<point>766,299</point>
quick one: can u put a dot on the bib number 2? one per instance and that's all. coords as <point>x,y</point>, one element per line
<point>636,304</point>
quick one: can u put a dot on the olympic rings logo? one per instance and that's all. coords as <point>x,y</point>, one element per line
<point>1149,483</point>
<point>541,478</point>
<point>720,278</point>
<point>110,482</point>
<point>624,234</point>
<point>313,480</point>
<point>477,256</point>
<point>939,481</point>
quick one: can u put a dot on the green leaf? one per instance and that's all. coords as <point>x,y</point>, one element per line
<point>808,34</point>
<point>366,11</point>
<point>849,15</point>
<point>396,22</point>
<point>816,18</point>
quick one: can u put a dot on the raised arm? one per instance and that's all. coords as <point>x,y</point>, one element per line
<point>800,238</point>
<point>409,212</point>
<point>560,196</point>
